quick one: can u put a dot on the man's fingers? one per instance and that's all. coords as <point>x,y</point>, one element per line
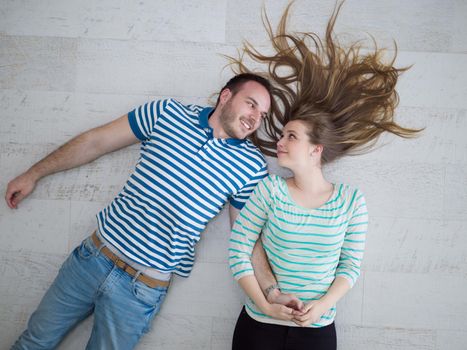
<point>10,196</point>
<point>17,197</point>
<point>17,189</point>
<point>7,200</point>
<point>298,313</point>
<point>287,312</point>
<point>294,302</point>
<point>300,309</point>
<point>298,305</point>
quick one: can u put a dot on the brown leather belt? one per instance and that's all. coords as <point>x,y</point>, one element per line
<point>149,281</point>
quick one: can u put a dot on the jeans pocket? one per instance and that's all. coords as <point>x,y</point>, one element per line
<point>86,249</point>
<point>152,297</point>
<point>150,300</point>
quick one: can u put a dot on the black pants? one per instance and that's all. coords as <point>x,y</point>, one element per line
<point>250,334</point>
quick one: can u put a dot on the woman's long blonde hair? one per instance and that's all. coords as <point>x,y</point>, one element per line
<point>346,98</point>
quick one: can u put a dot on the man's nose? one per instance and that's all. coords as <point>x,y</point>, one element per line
<point>256,115</point>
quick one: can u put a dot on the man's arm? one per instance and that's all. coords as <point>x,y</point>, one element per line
<point>80,150</point>
<point>233,213</point>
<point>264,275</point>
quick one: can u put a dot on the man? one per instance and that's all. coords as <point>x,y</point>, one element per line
<point>193,160</point>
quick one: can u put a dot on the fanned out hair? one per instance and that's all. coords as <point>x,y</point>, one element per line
<point>346,98</point>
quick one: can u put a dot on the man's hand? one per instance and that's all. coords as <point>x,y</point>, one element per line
<point>311,313</point>
<point>19,188</point>
<point>290,300</point>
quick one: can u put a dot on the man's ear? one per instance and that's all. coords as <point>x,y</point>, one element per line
<point>225,95</point>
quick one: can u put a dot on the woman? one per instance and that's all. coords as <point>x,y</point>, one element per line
<point>334,102</point>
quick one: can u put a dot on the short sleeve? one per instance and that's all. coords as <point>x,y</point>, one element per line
<point>239,199</point>
<point>143,118</point>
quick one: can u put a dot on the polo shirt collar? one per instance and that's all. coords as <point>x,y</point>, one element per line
<point>204,116</point>
<point>203,121</point>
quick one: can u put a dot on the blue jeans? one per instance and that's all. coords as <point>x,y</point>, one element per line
<point>88,282</point>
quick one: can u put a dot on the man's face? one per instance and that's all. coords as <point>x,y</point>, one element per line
<point>242,112</point>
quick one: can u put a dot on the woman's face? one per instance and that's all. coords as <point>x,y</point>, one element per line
<point>294,147</point>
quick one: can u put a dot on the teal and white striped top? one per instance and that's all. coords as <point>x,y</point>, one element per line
<point>306,248</point>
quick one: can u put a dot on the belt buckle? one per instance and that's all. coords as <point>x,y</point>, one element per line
<point>124,266</point>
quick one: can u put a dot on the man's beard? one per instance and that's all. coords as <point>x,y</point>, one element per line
<point>227,119</point>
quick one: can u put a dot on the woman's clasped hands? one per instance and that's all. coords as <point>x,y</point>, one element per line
<point>288,307</point>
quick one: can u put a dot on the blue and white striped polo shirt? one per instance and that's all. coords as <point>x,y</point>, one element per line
<point>182,180</point>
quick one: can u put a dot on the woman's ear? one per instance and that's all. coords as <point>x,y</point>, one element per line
<point>317,150</point>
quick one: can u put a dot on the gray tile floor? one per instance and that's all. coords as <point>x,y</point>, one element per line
<point>67,66</point>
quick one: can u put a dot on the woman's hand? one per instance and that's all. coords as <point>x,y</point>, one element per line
<point>289,300</point>
<point>279,311</point>
<point>311,313</point>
